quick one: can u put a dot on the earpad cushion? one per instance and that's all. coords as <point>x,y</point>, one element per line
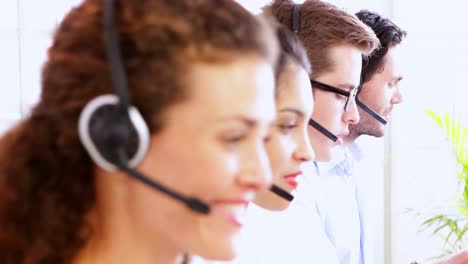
<point>105,130</point>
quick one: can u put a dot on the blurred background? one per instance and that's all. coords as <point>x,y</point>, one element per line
<point>411,171</point>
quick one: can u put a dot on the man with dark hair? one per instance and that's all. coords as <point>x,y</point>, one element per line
<point>380,78</point>
<point>380,91</point>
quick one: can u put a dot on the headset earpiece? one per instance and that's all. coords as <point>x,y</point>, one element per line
<point>110,128</point>
<point>105,130</point>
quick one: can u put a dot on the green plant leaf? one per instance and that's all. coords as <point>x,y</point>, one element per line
<point>464,147</point>
<point>447,125</point>
<point>461,234</point>
<point>456,138</point>
<point>445,224</point>
<point>436,117</point>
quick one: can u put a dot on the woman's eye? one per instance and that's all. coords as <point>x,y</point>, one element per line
<point>285,128</point>
<point>234,139</point>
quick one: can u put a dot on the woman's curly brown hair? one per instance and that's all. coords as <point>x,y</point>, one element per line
<point>46,177</point>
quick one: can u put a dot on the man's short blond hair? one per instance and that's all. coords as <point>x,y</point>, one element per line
<point>323,26</point>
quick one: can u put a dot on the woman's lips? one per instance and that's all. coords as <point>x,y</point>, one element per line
<point>292,182</point>
<point>232,210</point>
<point>291,179</point>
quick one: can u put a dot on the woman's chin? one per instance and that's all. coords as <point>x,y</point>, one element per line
<point>219,252</point>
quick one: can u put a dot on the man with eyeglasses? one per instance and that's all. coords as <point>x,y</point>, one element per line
<point>336,42</point>
<point>343,216</point>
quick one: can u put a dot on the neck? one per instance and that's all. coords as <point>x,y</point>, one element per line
<point>270,201</point>
<point>124,250</point>
<point>119,235</point>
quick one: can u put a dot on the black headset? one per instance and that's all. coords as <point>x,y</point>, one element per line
<point>113,131</point>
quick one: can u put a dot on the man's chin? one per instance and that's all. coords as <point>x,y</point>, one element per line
<point>358,130</point>
<point>377,132</point>
<point>378,135</point>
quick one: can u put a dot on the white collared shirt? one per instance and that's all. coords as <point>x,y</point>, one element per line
<point>338,207</point>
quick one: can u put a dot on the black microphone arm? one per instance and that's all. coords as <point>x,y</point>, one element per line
<point>371,112</point>
<point>281,193</point>
<point>192,203</point>
<point>322,130</point>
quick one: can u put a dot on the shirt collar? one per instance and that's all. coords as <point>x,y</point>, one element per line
<point>353,151</point>
<point>324,167</point>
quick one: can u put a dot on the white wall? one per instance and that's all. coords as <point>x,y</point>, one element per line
<point>26,27</point>
<point>436,63</point>
<point>9,65</point>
